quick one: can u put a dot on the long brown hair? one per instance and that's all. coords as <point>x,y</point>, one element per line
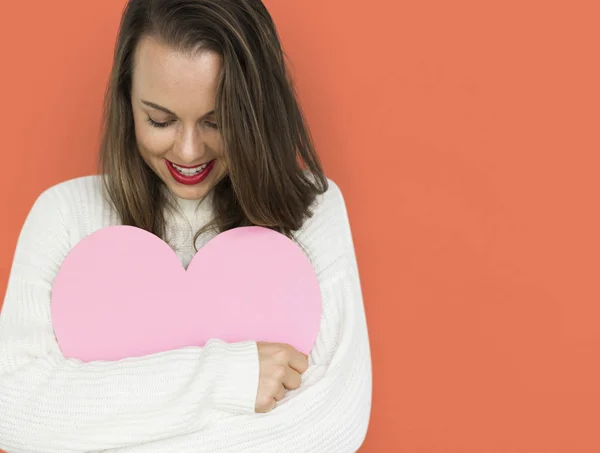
<point>274,173</point>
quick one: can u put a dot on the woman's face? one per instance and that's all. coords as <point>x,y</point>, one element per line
<point>172,98</point>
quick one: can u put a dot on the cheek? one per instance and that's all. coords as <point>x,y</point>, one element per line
<point>216,144</point>
<point>152,141</point>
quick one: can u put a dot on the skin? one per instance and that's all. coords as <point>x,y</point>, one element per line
<point>186,86</point>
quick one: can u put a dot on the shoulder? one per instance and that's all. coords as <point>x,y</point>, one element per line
<point>59,217</point>
<point>329,209</point>
<point>72,197</point>
<point>76,205</point>
<point>326,235</point>
<point>72,191</point>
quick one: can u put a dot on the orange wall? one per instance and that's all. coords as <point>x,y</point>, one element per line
<point>465,138</point>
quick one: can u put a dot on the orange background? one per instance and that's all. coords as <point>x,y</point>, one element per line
<point>465,137</point>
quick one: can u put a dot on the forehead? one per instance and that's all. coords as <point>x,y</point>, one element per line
<point>179,81</point>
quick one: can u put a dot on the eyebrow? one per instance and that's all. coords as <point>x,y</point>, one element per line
<point>166,110</point>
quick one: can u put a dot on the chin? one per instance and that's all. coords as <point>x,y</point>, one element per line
<point>196,194</point>
<point>192,191</point>
<point>188,192</point>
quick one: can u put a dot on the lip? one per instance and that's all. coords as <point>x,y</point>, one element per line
<point>187,166</point>
<point>189,180</point>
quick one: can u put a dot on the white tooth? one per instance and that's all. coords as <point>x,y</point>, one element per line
<point>190,171</point>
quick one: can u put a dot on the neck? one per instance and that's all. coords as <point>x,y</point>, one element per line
<point>197,212</point>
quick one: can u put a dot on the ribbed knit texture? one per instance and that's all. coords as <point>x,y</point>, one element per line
<point>192,400</point>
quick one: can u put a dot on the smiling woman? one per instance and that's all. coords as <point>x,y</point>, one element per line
<point>202,134</point>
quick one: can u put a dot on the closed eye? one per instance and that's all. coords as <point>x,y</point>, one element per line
<point>163,125</point>
<point>155,124</point>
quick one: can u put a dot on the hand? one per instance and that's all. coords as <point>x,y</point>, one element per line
<point>280,368</point>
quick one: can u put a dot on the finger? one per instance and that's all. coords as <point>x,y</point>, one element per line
<point>292,379</point>
<point>280,393</point>
<point>298,361</point>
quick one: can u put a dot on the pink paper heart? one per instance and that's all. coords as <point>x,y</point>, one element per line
<point>122,292</point>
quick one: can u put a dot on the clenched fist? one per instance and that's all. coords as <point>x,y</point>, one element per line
<point>280,368</point>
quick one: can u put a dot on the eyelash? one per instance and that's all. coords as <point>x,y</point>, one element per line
<point>163,125</point>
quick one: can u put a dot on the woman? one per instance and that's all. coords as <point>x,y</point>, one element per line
<point>202,134</point>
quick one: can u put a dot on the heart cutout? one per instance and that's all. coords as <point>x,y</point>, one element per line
<point>122,292</point>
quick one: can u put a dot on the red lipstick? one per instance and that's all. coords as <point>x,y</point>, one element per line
<point>190,180</point>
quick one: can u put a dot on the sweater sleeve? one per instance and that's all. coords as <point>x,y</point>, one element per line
<point>52,404</point>
<point>330,411</point>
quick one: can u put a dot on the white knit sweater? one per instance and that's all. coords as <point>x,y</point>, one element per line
<point>192,400</point>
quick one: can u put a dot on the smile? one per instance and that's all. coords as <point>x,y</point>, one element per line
<point>190,175</point>
<point>189,171</point>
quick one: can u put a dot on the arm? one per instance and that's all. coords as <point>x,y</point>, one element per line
<point>330,411</point>
<point>52,404</point>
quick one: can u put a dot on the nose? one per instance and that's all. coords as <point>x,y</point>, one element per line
<point>188,145</point>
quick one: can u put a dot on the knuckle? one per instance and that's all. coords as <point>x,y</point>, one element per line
<point>279,372</point>
<point>282,355</point>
